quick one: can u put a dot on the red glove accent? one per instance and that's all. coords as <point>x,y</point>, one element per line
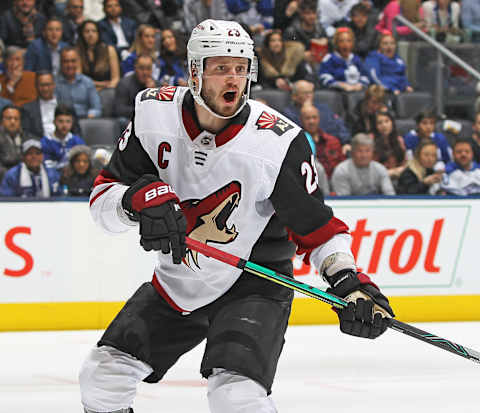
<point>154,194</point>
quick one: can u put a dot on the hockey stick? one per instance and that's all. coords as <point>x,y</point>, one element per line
<point>321,295</point>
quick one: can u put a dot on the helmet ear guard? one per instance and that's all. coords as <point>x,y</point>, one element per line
<point>218,38</point>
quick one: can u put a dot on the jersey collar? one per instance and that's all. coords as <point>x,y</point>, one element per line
<point>192,126</point>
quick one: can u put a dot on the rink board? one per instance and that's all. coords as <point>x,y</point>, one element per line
<point>59,271</point>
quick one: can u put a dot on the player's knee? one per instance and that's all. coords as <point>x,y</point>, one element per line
<point>108,380</point>
<point>232,392</point>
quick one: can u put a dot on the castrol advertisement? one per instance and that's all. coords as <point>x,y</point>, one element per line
<point>405,245</point>
<point>53,252</point>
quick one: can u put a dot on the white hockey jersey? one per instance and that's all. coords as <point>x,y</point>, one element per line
<point>241,189</point>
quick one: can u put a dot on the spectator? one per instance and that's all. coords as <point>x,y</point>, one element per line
<point>284,13</point>
<point>20,24</point>
<point>330,122</point>
<point>44,53</point>
<point>55,147</point>
<point>411,10</point>
<point>389,148</point>
<point>419,177</point>
<point>129,86</point>
<point>308,30</point>
<point>98,60</point>
<point>328,148</point>
<point>11,138</point>
<point>386,68</point>
<point>334,13</point>
<point>361,175</point>
<point>471,19</point>
<point>443,19</point>
<point>364,30</point>
<point>2,53</point>
<point>342,69</point>
<point>75,89</point>
<point>30,178</point>
<point>161,14</point>
<point>425,121</point>
<point>281,62</point>
<point>195,11</point>
<point>116,29</point>
<point>16,84</point>
<point>78,176</point>
<point>462,175</point>
<point>476,137</point>
<point>38,115</point>
<point>172,60</point>
<point>362,119</point>
<point>73,18</point>
<point>144,43</point>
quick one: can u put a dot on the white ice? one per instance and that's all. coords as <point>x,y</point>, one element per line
<point>321,370</point>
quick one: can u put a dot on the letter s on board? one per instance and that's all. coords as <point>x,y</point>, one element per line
<point>9,242</point>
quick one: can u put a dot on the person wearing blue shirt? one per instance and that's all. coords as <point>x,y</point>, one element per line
<point>43,54</point>
<point>55,147</point>
<point>75,89</point>
<point>462,175</point>
<point>116,29</point>
<point>471,18</point>
<point>425,121</point>
<point>30,178</point>
<point>342,69</point>
<point>386,68</point>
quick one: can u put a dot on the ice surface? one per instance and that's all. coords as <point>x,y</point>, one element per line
<point>321,370</point>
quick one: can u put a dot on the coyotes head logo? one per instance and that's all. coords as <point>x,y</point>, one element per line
<point>207,218</point>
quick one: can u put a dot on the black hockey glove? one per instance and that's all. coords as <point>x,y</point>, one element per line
<point>154,205</point>
<point>368,311</point>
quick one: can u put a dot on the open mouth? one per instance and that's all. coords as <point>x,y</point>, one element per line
<point>221,218</point>
<point>229,97</point>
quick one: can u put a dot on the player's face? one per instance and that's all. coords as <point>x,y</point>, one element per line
<point>388,46</point>
<point>90,34</point>
<point>428,156</point>
<point>224,81</point>
<point>384,125</point>
<point>463,155</point>
<point>53,32</point>
<point>33,158</point>
<point>63,125</point>
<point>426,127</point>
<point>81,163</point>
<point>344,44</point>
<point>148,39</point>
<point>11,121</point>
<point>362,155</point>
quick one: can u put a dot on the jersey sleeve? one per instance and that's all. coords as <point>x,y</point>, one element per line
<point>129,162</point>
<point>298,200</point>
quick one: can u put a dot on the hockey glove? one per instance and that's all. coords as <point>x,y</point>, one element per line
<point>368,311</point>
<point>154,205</point>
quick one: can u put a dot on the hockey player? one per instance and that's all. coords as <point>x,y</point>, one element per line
<point>207,162</point>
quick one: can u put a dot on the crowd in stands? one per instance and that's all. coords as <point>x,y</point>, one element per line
<point>65,63</point>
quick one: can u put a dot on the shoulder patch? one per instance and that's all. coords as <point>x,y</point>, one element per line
<point>163,94</point>
<point>273,123</point>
